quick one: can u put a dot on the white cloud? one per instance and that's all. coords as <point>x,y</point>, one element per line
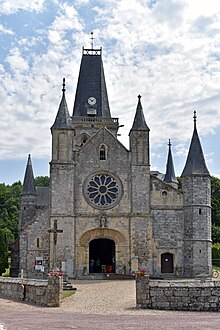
<point>16,61</point>
<point>4,30</point>
<point>205,7</point>
<point>167,51</point>
<point>170,12</point>
<point>67,20</point>
<point>12,6</point>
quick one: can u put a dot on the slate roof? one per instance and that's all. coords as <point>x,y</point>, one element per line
<point>43,195</point>
<point>195,163</point>
<point>139,123</point>
<point>63,118</point>
<point>28,184</point>
<point>91,83</point>
<point>170,172</point>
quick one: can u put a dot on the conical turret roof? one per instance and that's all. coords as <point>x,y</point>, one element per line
<point>170,173</point>
<point>28,184</point>
<point>91,93</point>
<point>63,118</point>
<point>195,163</point>
<point>139,123</point>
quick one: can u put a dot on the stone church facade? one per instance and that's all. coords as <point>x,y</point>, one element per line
<point>105,211</point>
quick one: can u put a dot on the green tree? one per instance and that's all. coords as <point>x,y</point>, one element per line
<point>9,208</point>
<point>3,251</point>
<point>215,234</point>
<point>215,186</point>
<point>43,181</point>
<point>9,215</point>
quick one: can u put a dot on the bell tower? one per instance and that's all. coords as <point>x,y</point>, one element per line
<point>91,107</point>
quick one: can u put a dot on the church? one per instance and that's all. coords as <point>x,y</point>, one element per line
<point>105,210</point>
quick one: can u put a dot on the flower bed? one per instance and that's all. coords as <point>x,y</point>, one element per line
<point>56,274</point>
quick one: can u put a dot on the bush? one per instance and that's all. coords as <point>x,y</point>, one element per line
<point>4,251</point>
<point>216,254</point>
<point>215,234</point>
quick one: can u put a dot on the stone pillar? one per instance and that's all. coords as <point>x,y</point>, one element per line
<point>142,292</point>
<point>54,291</point>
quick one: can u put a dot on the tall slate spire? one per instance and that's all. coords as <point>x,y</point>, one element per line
<point>28,184</point>
<point>170,176</point>
<point>63,118</point>
<point>91,94</point>
<point>195,163</point>
<point>139,123</point>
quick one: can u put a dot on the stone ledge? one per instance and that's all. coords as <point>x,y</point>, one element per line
<point>178,294</point>
<point>39,292</point>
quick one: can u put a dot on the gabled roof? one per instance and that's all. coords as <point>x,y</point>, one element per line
<point>170,173</point>
<point>139,123</point>
<point>28,184</point>
<point>195,163</point>
<point>63,118</point>
<point>91,84</point>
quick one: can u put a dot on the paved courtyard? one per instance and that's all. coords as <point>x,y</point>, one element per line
<point>100,305</point>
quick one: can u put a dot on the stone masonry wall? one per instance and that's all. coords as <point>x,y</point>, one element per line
<point>40,292</point>
<point>185,294</point>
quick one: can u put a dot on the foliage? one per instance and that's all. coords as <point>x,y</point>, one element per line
<point>4,251</point>
<point>9,209</point>
<point>215,186</point>
<point>55,274</point>
<point>215,234</point>
<point>216,254</point>
<point>215,267</point>
<point>7,271</point>
<point>9,214</point>
<point>42,181</point>
<point>179,181</point>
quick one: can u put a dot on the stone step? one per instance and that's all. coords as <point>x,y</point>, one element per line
<point>67,286</point>
<point>114,276</point>
<point>93,276</point>
<point>108,276</point>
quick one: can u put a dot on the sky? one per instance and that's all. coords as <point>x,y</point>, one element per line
<point>168,51</point>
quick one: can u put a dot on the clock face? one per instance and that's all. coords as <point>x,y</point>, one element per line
<point>91,100</point>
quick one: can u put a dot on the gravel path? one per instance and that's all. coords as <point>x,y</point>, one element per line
<point>100,305</point>
<point>102,297</point>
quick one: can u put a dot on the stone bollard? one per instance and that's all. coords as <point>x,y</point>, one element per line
<point>142,291</point>
<point>54,291</point>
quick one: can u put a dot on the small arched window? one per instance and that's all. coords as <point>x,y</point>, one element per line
<point>102,152</point>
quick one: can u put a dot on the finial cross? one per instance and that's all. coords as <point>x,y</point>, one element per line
<point>194,118</point>
<point>169,144</point>
<point>64,85</point>
<point>92,39</point>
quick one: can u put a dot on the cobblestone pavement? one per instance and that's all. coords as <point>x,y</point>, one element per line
<point>101,305</point>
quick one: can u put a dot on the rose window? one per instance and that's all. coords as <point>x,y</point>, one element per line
<point>102,190</point>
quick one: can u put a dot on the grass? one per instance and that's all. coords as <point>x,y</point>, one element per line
<point>7,273</point>
<point>214,267</point>
<point>68,293</point>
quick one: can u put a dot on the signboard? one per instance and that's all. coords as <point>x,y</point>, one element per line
<point>38,264</point>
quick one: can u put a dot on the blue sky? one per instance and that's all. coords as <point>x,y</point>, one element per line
<point>166,50</point>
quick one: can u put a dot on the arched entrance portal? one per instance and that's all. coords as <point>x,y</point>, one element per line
<point>102,256</point>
